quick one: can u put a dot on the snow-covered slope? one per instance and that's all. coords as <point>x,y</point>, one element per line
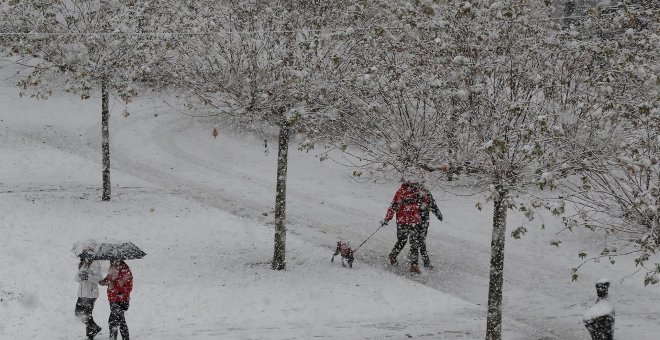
<point>201,208</point>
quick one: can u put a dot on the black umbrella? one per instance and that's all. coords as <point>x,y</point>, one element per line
<point>112,251</point>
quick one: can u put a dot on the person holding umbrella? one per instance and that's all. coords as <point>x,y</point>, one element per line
<point>120,284</point>
<point>89,273</point>
<point>119,279</point>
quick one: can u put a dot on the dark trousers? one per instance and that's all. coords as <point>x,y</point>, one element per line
<point>423,231</point>
<point>84,309</point>
<point>117,322</point>
<point>601,328</point>
<point>405,232</point>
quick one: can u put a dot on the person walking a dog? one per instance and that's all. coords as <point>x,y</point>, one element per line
<point>406,205</point>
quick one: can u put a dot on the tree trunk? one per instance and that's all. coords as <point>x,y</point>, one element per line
<point>279,261</point>
<point>105,139</point>
<point>569,11</point>
<point>656,220</point>
<point>494,319</point>
<point>253,79</point>
<point>452,143</point>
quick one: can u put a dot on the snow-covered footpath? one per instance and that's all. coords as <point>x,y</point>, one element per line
<point>201,208</point>
<point>206,275</point>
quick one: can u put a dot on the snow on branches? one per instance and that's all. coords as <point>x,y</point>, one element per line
<point>75,44</point>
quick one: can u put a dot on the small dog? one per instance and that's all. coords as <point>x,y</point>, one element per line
<point>346,253</point>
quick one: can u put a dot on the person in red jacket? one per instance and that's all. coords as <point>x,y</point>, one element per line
<point>120,284</point>
<point>406,206</point>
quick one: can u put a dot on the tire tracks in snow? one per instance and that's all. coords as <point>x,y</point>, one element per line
<point>161,162</point>
<point>462,265</point>
<point>462,272</point>
<point>529,292</point>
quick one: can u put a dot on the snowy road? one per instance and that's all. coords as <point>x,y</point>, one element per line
<point>233,174</point>
<point>178,156</point>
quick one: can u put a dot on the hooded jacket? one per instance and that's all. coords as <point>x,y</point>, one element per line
<point>405,205</point>
<point>119,281</point>
<point>88,277</point>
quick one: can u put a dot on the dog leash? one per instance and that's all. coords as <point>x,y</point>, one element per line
<point>365,241</point>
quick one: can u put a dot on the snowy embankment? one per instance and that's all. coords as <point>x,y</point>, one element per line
<point>206,275</point>
<point>201,208</point>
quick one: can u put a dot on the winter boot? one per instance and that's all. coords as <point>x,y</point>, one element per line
<point>393,260</point>
<point>414,268</point>
<point>428,265</point>
<point>93,332</point>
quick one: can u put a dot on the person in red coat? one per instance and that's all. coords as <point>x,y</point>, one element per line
<point>406,206</point>
<point>120,284</point>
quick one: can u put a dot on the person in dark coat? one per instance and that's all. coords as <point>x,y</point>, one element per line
<point>406,206</point>
<point>427,206</point>
<point>599,319</point>
<point>120,284</point>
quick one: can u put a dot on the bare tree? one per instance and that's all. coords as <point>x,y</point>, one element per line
<point>483,85</point>
<point>269,63</point>
<point>615,153</point>
<point>84,45</point>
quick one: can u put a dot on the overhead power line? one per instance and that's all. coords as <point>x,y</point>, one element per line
<point>347,30</point>
<point>343,30</point>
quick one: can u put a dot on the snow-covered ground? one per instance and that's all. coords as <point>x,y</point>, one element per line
<point>202,210</point>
